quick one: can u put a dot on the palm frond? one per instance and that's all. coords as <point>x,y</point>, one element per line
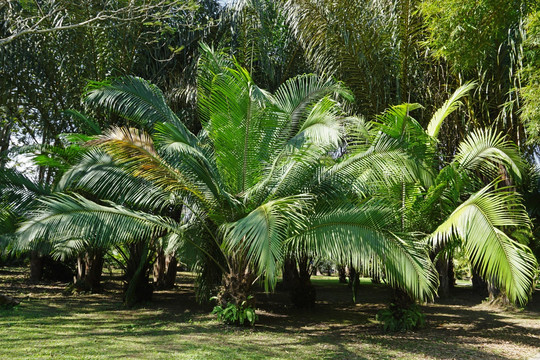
<point>448,107</point>
<point>351,42</point>
<point>321,126</point>
<point>261,234</point>
<point>384,162</point>
<point>97,174</point>
<point>486,150</point>
<point>137,100</point>
<point>18,192</point>
<point>243,129</point>
<point>345,232</point>
<point>134,151</point>
<point>478,223</point>
<point>295,96</point>
<point>87,124</point>
<point>71,221</point>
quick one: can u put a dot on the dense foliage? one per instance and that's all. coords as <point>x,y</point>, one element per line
<point>387,137</point>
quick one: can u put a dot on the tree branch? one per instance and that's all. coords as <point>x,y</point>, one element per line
<point>124,14</point>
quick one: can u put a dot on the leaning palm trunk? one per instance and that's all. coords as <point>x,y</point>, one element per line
<point>137,288</point>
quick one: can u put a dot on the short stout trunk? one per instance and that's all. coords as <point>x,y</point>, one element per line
<point>496,295</point>
<point>302,292</point>
<point>236,288</point>
<point>36,266</point>
<point>164,272</point>
<point>445,269</point>
<point>479,285</point>
<point>89,271</point>
<point>401,299</point>
<point>138,288</point>
<point>342,273</point>
<point>290,273</point>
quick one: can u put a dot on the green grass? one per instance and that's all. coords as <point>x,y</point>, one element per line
<point>49,325</point>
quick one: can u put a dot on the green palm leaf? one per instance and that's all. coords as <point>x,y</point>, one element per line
<point>134,151</point>
<point>478,223</point>
<point>295,96</point>
<point>448,107</point>
<point>260,235</point>
<point>485,150</point>
<point>137,100</point>
<point>344,233</point>
<point>71,221</point>
<point>97,174</point>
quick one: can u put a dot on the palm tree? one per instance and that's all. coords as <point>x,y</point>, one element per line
<point>260,178</point>
<point>454,208</point>
<point>19,193</point>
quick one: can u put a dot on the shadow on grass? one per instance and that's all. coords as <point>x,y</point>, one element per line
<point>175,326</point>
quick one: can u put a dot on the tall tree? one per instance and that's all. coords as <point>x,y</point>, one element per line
<point>482,41</point>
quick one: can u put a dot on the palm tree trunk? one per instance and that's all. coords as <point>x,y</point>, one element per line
<point>444,280</point>
<point>479,285</point>
<point>89,270</point>
<point>303,293</point>
<point>354,283</point>
<point>290,273</point>
<point>342,274</point>
<point>170,276</point>
<point>137,289</point>
<point>94,269</point>
<point>36,266</point>
<point>496,296</point>
<point>236,284</point>
<point>159,269</point>
<point>164,272</point>
<point>81,270</point>
<point>401,299</point>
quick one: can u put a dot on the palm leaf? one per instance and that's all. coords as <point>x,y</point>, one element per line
<point>478,223</point>
<point>448,107</point>
<point>295,96</point>
<point>261,234</point>
<point>73,221</point>
<point>137,100</point>
<point>486,150</point>
<point>345,232</point>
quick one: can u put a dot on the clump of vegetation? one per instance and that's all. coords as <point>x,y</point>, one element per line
<point>398,318</point>
<point>7,302</point>
<point>233,314</point>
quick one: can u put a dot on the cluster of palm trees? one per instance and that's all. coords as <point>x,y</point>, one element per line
<point>274,175</point>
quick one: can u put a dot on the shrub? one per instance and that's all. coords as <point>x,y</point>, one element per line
<point>233,314</point>
<point>397,318</point>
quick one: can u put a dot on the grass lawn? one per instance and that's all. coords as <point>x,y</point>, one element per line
<point>50,325</point>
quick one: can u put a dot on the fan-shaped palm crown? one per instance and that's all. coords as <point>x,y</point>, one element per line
<point>259,178</point>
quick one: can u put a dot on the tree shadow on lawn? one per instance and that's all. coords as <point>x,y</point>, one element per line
<point>335,329</point>
<point>456,328</point>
